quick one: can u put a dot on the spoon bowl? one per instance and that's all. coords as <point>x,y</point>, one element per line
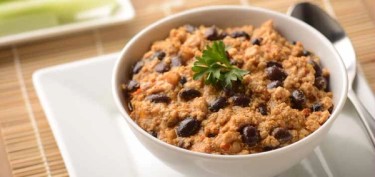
<point>332,30</point>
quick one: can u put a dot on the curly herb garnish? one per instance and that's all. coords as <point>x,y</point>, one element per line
<point>215,67</point>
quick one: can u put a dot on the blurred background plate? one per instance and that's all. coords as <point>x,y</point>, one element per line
<point>121,13</point>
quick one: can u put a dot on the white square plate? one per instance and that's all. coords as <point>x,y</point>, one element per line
<point>125,12</point>
<point>95,140</point>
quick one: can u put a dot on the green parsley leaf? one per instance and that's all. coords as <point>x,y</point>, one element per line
<point>215,67</point>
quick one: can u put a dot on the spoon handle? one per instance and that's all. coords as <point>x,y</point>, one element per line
<point>367,120</point>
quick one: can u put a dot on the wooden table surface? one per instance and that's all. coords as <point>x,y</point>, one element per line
<point>27,145</point>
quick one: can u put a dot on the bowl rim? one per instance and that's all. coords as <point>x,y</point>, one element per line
<point>116,84</point>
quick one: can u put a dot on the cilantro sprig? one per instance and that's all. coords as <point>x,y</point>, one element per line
<point>215,67</point>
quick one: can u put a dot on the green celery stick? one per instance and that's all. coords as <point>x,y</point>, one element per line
<point>65,10</point>
<point>68,9</point>
<point>27,23</point>
<point>5,1</point>
<point>25,15</point>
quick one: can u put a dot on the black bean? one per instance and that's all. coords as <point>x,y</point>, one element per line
<point>159,98</point>
<point>189,126</point>
<point>237,87</point>
<point>305,53</point>
<point>298,99</point>
<point>241,100</point>
<point>239,63</point>
<point>263,109</point>
<point>294,42</point>
<point>327,82</point>
<point>162,67</point>
<point>222,35</point>
<point>316,107</point>
<point>228,92</point>
<point>317,68</point>
<point>321,83</point>
<point>282,135</point>
<point>250,135</point>
<point>176,61</point>
<point>274,63</point>
<point>188,94</point>
<point>130,106</point>
<point>138,66</point>
<point>268,148</point>
<point>275,73</point>
<point>212,34</point>
<point>211,135</point>
<point>132,86</point>
<point>256,41</point>
<point>190,28</point>
<point>274,84</point>
<point>330,109</point>
<point>219,103</point>
<point>159,55</point>
<point>183,80</point>
<point>154,133</point>
<point>237,34</point>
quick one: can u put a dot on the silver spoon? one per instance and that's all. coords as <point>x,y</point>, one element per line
<point>330,28</point>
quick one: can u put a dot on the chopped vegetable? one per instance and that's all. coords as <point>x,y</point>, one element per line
<point>215,67</point>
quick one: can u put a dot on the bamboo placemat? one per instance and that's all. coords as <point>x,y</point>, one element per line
<point>27,145</point>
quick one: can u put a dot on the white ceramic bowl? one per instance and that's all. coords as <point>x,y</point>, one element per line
<point>253,165</point>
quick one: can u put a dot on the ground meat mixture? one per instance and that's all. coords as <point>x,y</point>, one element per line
<point>282,99</point>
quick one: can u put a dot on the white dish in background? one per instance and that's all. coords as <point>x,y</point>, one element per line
<point>125,12</point>
<point>95,141</point>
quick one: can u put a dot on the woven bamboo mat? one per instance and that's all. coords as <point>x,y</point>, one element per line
<point>27,145</point>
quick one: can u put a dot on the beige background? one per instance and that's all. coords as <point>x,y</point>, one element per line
<point>27,146</point>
